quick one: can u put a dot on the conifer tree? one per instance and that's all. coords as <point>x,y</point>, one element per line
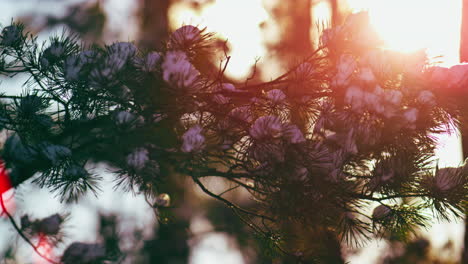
<point>360,163</point>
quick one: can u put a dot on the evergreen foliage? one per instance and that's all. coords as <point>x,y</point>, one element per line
<point>341,145</point>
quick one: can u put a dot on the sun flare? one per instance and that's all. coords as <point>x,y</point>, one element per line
<point>240,25</point>
<point>433,25</point>
<point>407,26</point>
<point>410,25</point>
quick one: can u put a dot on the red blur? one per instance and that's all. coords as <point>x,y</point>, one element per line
<point>5,185</point>
<point>45,248</point>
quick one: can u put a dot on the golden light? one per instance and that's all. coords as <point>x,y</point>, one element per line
<point>409,25</point>
<point>237,21</point>
<point>321,14</point>
<point>433,25</point>
<point>404,25</point>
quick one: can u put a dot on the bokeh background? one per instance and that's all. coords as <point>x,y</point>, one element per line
<point>269,35</point>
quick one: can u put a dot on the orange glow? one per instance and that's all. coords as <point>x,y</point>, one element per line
<point>433,25</point>
<point>321,14</point>
<point>409,25</point>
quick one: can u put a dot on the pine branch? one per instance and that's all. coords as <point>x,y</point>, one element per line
<point>20,232</point>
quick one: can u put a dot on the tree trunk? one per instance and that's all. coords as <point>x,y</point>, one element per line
<point>295,21</point>
<point>154,23</point>
<point>335,13</point>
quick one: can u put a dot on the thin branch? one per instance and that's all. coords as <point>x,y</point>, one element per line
<point>283,76</point>
<point>389,197</point>
<point>228,190</point>
<point>228,203</point>
<point>18,229</point>
<point>155,210</point>
<point>254,72</point>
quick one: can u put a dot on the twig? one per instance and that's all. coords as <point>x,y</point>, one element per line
<point>254,72</point>
<point>18,229</point>
<point>155,209</point>
<point>228,203</point>
<point>228,190</point>
<point>283,76</point>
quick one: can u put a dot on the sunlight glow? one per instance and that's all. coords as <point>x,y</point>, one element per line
<point>239,25</point>
<point>433,25</point>
<point>411,25</point>
<point>321,14</point>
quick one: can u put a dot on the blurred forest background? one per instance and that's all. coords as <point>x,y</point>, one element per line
<point>265,37</point>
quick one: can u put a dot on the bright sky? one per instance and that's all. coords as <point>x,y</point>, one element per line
<point>408,25</point>
<point>238,21</point>
<point>433,25</point>
<point>404,25</point>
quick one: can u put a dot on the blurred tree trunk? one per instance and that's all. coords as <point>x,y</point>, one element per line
<point>154,28</point>
<point>295,20</point>
<point>464,125</point>
<point>335,13</point>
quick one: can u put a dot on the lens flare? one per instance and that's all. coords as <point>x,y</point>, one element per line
<point>407,26</point>
<point>237,21</point>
